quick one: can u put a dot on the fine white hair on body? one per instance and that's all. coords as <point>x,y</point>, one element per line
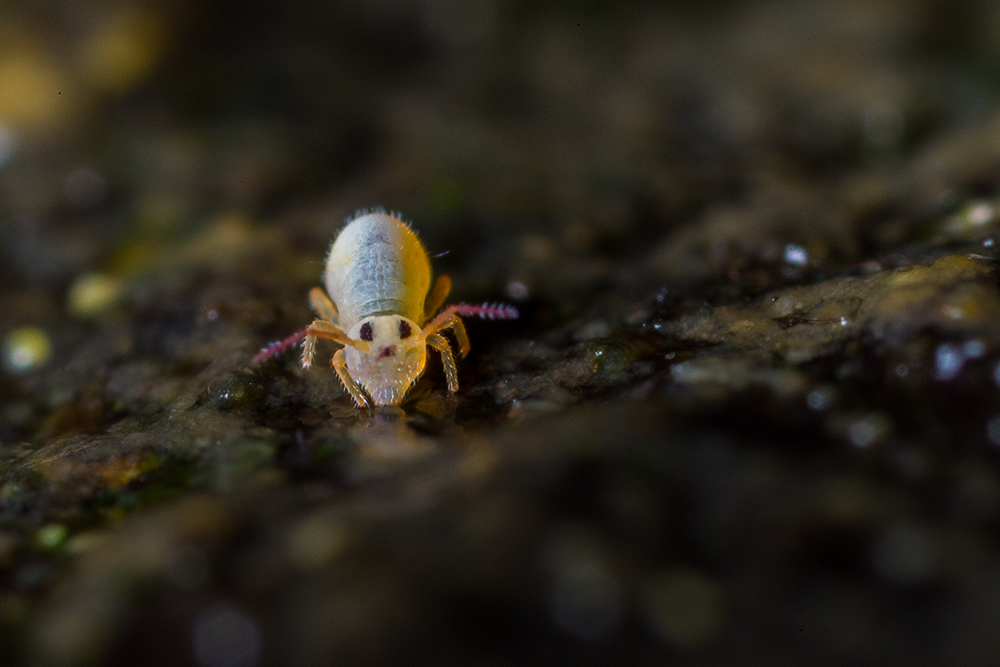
<point>377,265</point>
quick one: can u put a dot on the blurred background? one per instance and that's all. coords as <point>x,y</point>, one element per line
<point>748,414</point>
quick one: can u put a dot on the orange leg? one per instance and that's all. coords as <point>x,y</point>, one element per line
<point>440,343</point>
<point>339,363</point>
<point>322,305</point>
<point>436,297</point>
<point>328,330</point>
<point>448,318</point>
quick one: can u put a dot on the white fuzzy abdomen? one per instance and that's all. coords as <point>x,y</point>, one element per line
<point>377,266</point>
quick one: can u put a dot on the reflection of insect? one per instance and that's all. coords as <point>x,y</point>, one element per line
<point>379,309</point>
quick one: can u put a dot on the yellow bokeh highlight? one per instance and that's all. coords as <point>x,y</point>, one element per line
<point>122,51</point>
<point>33,90</point>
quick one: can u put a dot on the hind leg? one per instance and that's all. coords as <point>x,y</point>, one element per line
<point>436,297</point>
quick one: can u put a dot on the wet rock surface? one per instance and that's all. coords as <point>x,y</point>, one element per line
<point>749,413</point>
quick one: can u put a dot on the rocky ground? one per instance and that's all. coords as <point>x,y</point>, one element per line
<point>749,414</point>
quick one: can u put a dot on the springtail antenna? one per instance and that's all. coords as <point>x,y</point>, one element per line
<point>488,311</point>
<point>279,346</point>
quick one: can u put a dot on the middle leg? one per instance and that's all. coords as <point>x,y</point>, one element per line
<point>440,343</point>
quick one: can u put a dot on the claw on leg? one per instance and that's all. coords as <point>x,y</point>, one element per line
<point>308,351</point>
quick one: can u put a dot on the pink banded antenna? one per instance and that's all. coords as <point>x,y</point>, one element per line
<point>487,311</point>
<point>279,346</point>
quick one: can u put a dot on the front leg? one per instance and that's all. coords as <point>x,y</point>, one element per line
<point>440,343</point>
<point>324,329</point>
<point>339,363</point>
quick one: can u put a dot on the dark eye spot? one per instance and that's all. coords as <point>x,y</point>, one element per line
<point>404,329</point>
<point>366,331</point>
